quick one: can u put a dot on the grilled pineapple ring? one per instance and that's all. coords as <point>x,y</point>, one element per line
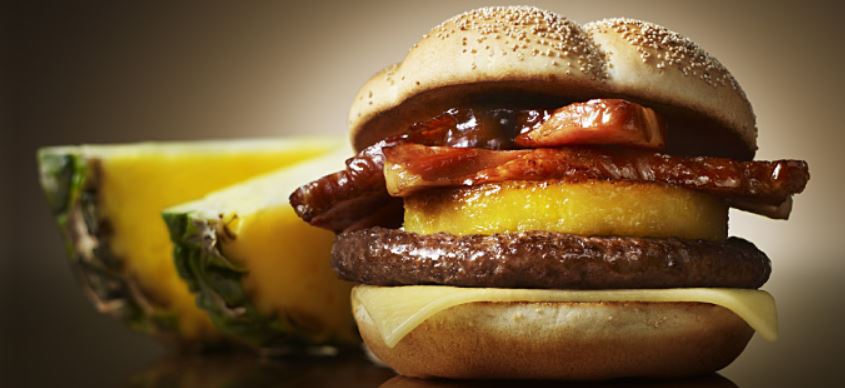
<point>591,208</point>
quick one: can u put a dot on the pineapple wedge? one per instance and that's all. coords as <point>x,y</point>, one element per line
<point>108,200</point>
<point>261,272</point>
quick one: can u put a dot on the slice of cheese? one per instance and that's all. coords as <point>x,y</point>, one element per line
<point>396,311</point>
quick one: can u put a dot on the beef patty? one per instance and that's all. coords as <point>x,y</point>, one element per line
<point>391,257</point>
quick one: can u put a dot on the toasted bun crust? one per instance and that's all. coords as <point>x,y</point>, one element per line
<point>525,53</point>
<point>578,341</point>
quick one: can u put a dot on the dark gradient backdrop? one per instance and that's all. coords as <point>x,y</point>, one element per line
<point>158,71</point>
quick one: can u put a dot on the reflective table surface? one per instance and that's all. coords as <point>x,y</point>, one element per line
<point>241,370</point>
<point>145,70</point>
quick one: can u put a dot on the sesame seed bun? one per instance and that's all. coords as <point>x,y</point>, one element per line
<point>502,54</point>
<point>573,341</point>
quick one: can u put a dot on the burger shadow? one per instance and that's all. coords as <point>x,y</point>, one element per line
<point>708,381</point>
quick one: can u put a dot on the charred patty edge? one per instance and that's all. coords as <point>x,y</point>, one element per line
<point>549,260</point>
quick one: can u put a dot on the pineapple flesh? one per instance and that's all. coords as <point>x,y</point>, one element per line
<point>108,200</point>
<point>261,272</point>
<point>592,208</point>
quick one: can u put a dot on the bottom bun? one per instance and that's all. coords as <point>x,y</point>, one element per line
<point>573,341</point>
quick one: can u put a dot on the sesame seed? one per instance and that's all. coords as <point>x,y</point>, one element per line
<point>663,48</point>
<point>523,29</point>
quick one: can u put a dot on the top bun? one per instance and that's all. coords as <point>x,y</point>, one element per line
<point>521,55</point>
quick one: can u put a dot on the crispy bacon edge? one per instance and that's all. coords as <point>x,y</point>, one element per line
<point>353,198</point>
<point>358,197</point>
<point>755,186</point>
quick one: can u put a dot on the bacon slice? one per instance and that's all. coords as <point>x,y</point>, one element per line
<point>601,121</point>
<point>780,212</point>
<point>410,168</point>
<point>357,198</point>
<point>350,199</point>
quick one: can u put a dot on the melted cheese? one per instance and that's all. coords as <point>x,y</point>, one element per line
<point>396,311</point>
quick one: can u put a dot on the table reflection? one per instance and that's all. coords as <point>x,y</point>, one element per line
<point>245,370</point>
<point>709,381</point>
<point>350,370</point>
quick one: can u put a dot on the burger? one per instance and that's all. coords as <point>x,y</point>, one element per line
<point>533,198</point>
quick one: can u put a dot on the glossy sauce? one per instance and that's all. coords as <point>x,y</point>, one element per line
<point>357,197</point>
<point>487,128</point>
<point>601,121</point>
<point>411,168</point>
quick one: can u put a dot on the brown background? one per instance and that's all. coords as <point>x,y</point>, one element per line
<point>120,73</point>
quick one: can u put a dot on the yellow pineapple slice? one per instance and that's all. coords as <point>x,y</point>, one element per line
<point>262,273</point>
<point>108,200</point>
<point>591,208</point>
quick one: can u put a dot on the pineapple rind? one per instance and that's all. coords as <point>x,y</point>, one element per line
<point>199,233</point>
<point>218,284</point>
<point>68,179</point>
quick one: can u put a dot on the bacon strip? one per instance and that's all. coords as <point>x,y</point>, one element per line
<point>410,168</point>
<point>601,121</point>
<point>350,199</point>
<point>357,198</point>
